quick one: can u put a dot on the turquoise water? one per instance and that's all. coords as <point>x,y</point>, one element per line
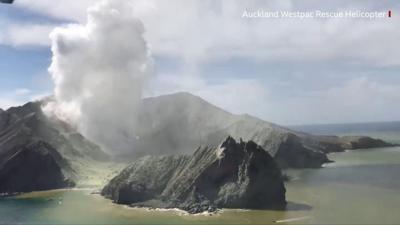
<point>361,187</point>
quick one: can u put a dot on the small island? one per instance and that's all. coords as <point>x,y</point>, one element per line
<point>233,175</point>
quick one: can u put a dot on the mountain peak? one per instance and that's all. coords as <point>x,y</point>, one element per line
<point>178,98</point>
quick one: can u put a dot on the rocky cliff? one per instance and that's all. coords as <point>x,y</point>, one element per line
<point>33,166</point>
<point>234,175</point>
<point>38,152</point>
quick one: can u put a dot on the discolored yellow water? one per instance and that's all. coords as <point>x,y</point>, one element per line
<point>361,187</point>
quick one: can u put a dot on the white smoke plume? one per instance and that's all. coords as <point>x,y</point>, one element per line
<point>99,70</point>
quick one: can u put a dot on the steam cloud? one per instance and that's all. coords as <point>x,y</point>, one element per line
<point>99,70</point>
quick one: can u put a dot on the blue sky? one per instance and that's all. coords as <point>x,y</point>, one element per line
<point>284,71</point>
<point>23,68</point>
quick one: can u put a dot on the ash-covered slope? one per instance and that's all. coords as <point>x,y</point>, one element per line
<point>234,175</point>
<point>174,123</point>
<point>36,151</point>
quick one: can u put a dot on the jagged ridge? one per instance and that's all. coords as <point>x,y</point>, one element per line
<point>234,175</point>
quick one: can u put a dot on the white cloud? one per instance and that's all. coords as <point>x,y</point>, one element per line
<point>19,34</point>
<point>355,100</point>
<point>22,91</point>
<point>203,30</point>
<point>362,99</point>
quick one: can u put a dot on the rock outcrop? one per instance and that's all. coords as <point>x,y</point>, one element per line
<point>37,152</point>
<point>234,175</point>
<point>33,166</point>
